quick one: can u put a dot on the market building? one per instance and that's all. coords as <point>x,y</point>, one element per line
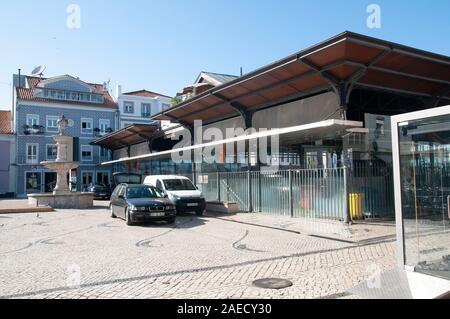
<point>325,114</point>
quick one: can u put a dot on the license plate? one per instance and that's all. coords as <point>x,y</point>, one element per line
<point>157,214</point>
<point>192,204</point>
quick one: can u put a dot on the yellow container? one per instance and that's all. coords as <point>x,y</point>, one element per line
<point>355,206</point>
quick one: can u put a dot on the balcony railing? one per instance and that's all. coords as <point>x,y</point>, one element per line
<point>99,133</point>
<point>33,129</point>
<point>28,159</point>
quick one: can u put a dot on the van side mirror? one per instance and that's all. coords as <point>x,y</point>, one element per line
<point>166,196</point>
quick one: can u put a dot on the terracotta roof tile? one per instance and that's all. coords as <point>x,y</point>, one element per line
<point>5,122</point>
<point>146,93</point>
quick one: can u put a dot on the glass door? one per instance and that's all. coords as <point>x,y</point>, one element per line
<point>424,147</point>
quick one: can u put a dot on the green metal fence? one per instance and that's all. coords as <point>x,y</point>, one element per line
<point>308,193</point>
<point>318,193</point>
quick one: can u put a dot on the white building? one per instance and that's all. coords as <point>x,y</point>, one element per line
<point>137,107</point>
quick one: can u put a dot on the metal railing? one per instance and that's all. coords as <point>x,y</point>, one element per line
<point>313,193</point>
<point>307,193</point>
<point>374,182</point>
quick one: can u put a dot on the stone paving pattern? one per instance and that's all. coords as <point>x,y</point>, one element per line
<point>198,257</point>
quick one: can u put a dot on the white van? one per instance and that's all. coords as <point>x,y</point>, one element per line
<point>180,190</point>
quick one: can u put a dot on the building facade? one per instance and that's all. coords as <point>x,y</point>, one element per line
<point>7,156</point>
<point>204,82</point>
<point>138,107</point>
<point>39,102</point>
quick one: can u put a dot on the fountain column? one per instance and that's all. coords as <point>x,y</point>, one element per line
<point>63,163</point>
<point>62,197</point>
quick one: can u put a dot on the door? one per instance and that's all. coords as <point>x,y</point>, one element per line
<point>119,202</point>
<point>424,148</point>
<point>33,182</point>
<point>49,181</point>
<point>32,153</point>
<point>86,179</point>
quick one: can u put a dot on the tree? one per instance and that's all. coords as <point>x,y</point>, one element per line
<point>176,100</point>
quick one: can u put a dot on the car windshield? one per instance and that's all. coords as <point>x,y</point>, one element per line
<point>144,192</point>
<point>99,185</point>
<point>178,185</point>
<point>127,178</point>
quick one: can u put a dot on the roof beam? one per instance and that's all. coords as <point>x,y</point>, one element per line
<point>246,115</point>
<point>409,75</point>
<point>324,73</point>
<point>401,51</point>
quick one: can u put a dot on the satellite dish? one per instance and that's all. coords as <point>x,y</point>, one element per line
<point>38,71</point>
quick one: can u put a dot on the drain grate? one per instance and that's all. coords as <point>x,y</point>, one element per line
<point>272,283</point>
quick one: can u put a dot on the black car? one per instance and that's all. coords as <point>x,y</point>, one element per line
<point>141,203</point>
<point>100,190</point>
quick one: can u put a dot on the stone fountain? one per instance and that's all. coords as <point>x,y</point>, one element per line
<point>62,197</point>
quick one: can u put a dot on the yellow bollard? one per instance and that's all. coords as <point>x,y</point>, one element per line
<point>355,206</point>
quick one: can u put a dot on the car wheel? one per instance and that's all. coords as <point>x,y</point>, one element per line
<point>112,211</point>
<point>199,213</point>
<point>171,220</point>
<point>127,217</point>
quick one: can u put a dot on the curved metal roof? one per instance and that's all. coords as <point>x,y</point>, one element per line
<point>346,59</point>
<point>130,135</point>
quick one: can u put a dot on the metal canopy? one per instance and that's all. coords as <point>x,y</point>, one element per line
<point>306,132</point>
<point>337,64</point>
<point>130,135</point>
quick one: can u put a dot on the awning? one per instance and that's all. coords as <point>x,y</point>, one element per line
<point>130,135</point>
<point>351,59</point>
<point>307,132</point>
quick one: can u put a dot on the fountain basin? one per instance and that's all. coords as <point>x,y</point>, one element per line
<point>70,200</point>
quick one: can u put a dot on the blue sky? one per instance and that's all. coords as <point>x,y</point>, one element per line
<point>162,45</point>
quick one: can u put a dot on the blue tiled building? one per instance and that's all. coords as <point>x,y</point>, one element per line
<point>39,102</point>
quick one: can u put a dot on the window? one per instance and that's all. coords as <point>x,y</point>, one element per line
<point>159,185</point>
<point>51,152</point>
<point>103,178</point>
<point>104,154</point>
<point>146,109</point>
<point>52,123</point>
<point>121,191</point>
<point>86,126</point>
<point>379,127</point>
<point>32,150</point>
<point>104,125</point>
<point>128,107</point>
<point>32,119</point>
<point>33,182</point>
<point>86,152</point>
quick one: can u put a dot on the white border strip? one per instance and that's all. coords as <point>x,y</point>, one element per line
<point>266,133</point>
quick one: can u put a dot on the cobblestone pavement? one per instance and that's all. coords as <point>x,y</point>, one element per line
<point>87,254</point>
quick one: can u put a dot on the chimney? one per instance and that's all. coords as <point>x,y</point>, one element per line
<point>118,91</point>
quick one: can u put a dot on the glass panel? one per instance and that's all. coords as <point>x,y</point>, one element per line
<point>33,182</point>
<point>425,181</point>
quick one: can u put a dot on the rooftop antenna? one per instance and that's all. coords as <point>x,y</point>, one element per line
<point>241,71</point>
<point>38,71</point>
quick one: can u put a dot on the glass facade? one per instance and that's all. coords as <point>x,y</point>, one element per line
<point>424,146</point>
